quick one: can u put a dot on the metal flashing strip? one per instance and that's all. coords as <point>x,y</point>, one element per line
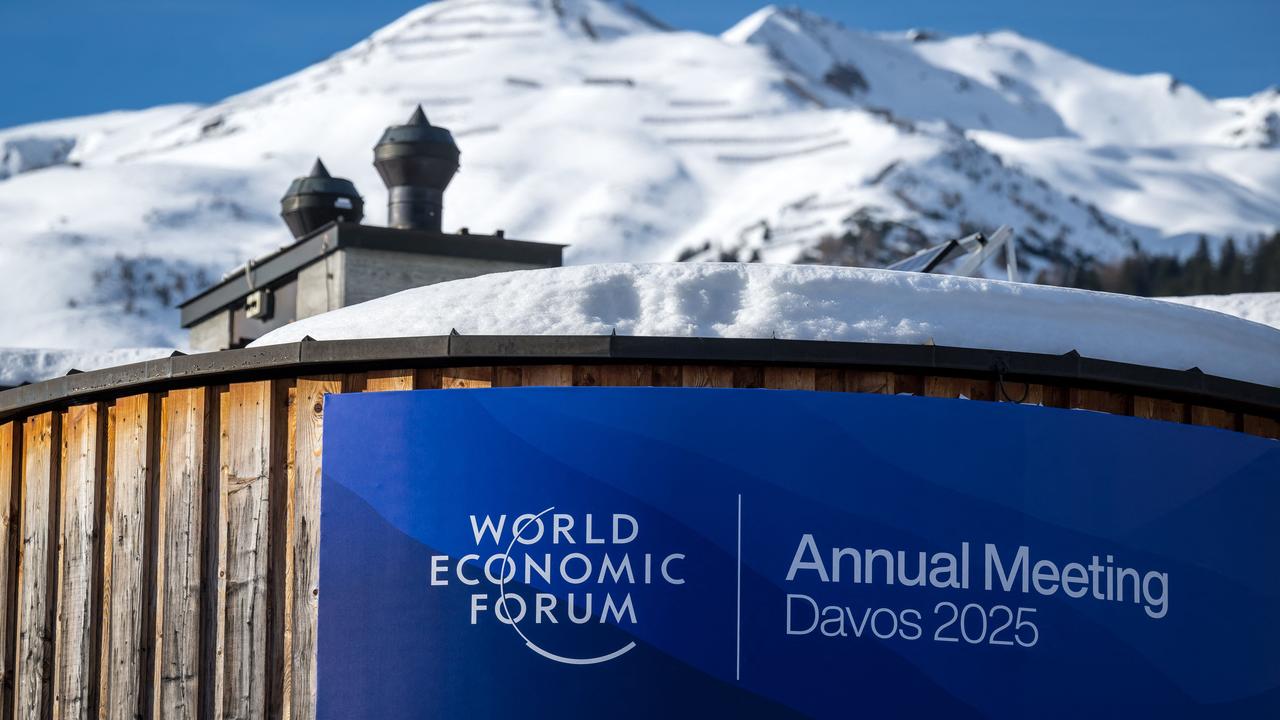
<point>359,355</point>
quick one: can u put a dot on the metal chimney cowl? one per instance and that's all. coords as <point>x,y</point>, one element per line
<point>416,162</point>
<point>318,199</point>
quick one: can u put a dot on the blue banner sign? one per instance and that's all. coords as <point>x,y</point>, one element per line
<point>670,552</point>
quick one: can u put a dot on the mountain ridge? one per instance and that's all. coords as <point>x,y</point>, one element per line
<point>787,138</point>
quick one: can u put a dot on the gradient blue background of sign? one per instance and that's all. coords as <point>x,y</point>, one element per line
<point>403,471</point>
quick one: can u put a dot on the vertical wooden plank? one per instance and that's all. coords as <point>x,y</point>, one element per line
<point>827,379</point>
<point>291,475</point>
<point>37,571</point>
<point>424,379</point>
<point>908,383</point>
<point>720,376</point>
<point>10,459</point>
<point>980,389</point>
<point>108,497</point>
<point>547,375</point>
<point>130,569</point>
<point>874,382</point>
<point>1159,409</point>
<point>280,472</point>
<point>251,447</point>
<point>466,377</point>
<point>625,375</point>
<point>1056,396</point>
<point>945,387</point>
<point>213,629</point>
<point>1258,425</point>
<point>508,376</point>
<point>613,375</point>
<point>956,387</point>
<point>184,473</point>
<point>304,544</point>
<point>667,376</point>
<point>1099,401</point>
<point>75,651</point>
<point>1213,417</point>
<point>789,378</point>
<point>381,380</point>
<point>748,376</point>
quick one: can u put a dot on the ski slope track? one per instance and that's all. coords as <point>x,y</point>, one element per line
<point>789,138</point>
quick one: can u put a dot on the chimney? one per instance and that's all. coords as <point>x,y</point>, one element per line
<point>318,199</point>
<point>416,161</point>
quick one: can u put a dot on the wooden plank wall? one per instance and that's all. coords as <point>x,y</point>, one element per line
<point>129,559</point>
<point>185,472</point>
<point>75,652</point>
<point>33,692</point>
<point>159,553</point>
<point>10,474</point>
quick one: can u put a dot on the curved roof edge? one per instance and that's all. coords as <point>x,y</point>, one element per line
<point>310,356</point>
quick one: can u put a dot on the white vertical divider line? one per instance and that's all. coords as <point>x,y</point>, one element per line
<point>737,653</point>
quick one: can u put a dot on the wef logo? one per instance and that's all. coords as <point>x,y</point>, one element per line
<point>572,586</point>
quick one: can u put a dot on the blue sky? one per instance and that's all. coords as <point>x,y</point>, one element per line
<point>74,57</point>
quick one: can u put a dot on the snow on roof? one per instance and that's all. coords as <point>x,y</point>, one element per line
<point>26,365</point>
<point>811,302</point>
<point>1259,307</point>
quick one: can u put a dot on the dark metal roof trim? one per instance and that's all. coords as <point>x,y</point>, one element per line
<point>289,260</point>
<point>359,355</point>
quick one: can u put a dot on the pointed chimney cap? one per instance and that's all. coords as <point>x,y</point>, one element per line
<point>319,181</point>
<point>317,199</point>
<point>420,133</point>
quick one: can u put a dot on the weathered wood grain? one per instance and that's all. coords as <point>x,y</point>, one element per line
<point>250,636</point>
<point>1213,417</point>
<point>908,383</point>
<point>667,376</point>
<point>748,376</point>
<point>789,378</point>
<point>291,482</point>
<point>1107,401</point>
<point>282,452</point>
<point>185,470</point>
<point>613,375</point>
<point>828,379</point>
<point>75,651</point>
<point>957,387</point>
<point>1056,396</point>
<point>1159,409</point>
<point>466,377</point>
<point>720,376</point>
<point>213,629</point>
<point>508,376</point>
<point>381,380</point>
<point>10,474</point>
<point>37,567</point>
<point>304,544</point>
<point>108,497</point>
<point>128,608</point>
<point>873,382</point>
<point>546,375</point>
<point>424,379</point>
<point>1261,426</point>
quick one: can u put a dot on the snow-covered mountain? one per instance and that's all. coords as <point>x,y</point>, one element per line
<point>788,138</point>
